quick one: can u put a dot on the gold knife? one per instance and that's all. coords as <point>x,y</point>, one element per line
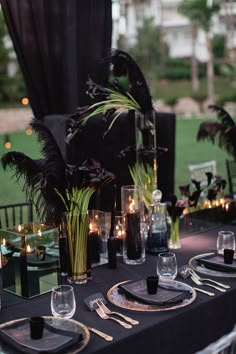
<point>101,334</point>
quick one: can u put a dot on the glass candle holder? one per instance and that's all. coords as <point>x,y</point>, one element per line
<point>134,238</point>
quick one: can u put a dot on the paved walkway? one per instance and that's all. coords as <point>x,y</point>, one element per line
<point>14,119</point>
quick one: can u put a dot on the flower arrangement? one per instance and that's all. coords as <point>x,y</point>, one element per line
<point>213,191</point>
<point>175,209</point>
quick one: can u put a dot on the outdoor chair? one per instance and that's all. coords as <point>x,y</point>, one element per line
<point>15,214</point>
<point>231,173</point>
<point>224,345</point>
<point>198,171</point>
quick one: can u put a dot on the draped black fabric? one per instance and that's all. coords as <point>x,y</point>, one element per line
<point>58,44</point>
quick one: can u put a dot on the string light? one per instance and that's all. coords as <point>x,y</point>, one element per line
<point>7,141</point>
<point>25,101</point>
<point>28,131</point>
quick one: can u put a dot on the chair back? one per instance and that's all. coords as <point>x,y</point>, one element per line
<point>224,345</point>
<point>231,173</point>
<point>15,214</point>
<point>198,171</point>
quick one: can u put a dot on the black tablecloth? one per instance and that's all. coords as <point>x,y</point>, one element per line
<point>182,331</point>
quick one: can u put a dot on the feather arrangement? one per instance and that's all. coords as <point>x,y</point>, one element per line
<point>115,98</point>
<point>222,132</point>
<point>50,180</point>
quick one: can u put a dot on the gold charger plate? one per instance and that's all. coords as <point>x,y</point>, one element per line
<point>200,268</point>
<point>119,298</point>
<point>66,324</point>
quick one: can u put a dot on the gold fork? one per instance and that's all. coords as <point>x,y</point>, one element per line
<point>104,316</point>
<point>109,312</point>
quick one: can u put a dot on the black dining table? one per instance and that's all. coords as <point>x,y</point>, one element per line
<point>184,330</point>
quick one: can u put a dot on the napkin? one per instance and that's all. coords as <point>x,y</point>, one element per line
<point>54,340</point>
<point>166,294</point>
<point>216,262</point>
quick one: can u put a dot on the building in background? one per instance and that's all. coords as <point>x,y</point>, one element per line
<point>176,28</point>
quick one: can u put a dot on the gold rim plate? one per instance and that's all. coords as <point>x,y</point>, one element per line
<point>68,324</point>
<point>119,298</point>
<point>207,271</point>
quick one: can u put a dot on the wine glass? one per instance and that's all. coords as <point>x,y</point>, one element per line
<point>63,303</point>
<point>167,265</point>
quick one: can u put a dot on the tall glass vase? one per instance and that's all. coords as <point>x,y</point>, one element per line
<point>174,241</point>
<point>77,240</point>
<point>146,154</point>
<point>134,237</point>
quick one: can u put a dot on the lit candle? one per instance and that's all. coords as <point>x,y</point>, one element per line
<point>4,242</point>
<point>19,228</point>
<point>133,235</point>
<point>93,243</point>
<point>227,207</point>
<point>28,249</point>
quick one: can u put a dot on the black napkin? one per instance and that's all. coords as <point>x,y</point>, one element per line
<point>54,340</point>
<point>216,262</point>
<point>166,294</point>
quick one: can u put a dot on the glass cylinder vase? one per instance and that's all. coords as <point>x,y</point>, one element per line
<point>77,239</point>
<point>134,238</point>
<point>174,241</point>
<point>146,154</point>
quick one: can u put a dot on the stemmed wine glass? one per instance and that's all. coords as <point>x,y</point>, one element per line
<point>63,302</point>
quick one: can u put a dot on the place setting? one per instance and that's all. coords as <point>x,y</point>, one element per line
<point>222,262</point>
<point>51,334</point>
<point>158,292</point>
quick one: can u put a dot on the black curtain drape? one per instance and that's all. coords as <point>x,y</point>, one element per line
<point>59,43</point>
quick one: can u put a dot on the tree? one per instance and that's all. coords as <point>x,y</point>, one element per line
<point>12,88</point>
<point>147,51</point>
<point>200,15</point>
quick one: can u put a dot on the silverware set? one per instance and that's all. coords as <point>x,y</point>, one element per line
<point>105,313</point>
<point>207,282</point>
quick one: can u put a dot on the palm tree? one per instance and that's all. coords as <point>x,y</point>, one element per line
<point>200,14</point>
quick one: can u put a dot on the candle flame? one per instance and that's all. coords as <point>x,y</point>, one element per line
<point>28,249</point>
<point>131,206</point>
<point>19,228</point>
<point>4,242</point>
<point>39,233</point>
<point>227,207</point>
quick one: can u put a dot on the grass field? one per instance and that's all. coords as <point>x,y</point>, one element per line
<point>188,151</point>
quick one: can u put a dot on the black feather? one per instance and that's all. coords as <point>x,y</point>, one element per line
<point>123,64</point>
<point>224,133</point>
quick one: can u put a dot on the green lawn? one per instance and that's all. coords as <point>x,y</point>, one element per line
<point>188,151</point>
<point>166,90</point>
<point>10,191</point>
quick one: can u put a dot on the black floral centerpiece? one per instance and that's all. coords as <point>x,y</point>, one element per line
<point>112,101</point>
<point>175,210</point>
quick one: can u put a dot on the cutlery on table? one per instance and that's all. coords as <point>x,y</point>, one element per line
<point>109,312</point>
<point>198,282</point>
<point>208,279</point>
<point>100,334</point>
<point>204,291</point>
<point>104,316</point>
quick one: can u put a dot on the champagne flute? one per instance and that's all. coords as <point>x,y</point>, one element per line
<point>63,303</point>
